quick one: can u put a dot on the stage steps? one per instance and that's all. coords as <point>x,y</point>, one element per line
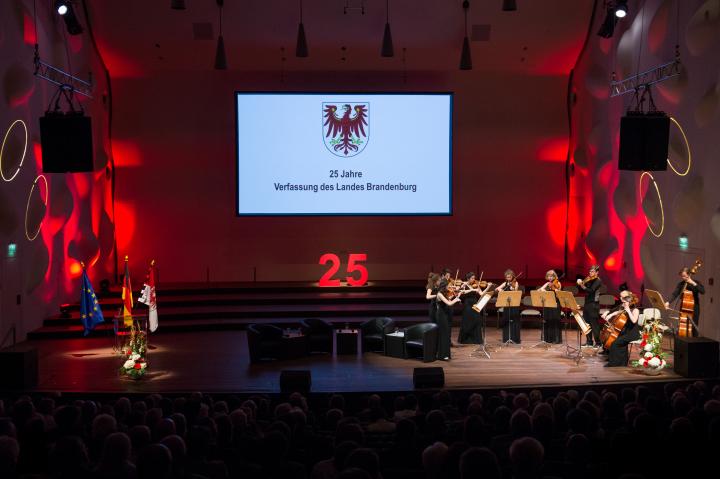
<point>232,306</point>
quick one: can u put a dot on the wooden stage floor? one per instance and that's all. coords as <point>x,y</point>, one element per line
<point>217,361</point>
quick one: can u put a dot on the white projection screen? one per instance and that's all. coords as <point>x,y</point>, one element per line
<point>344,153</point>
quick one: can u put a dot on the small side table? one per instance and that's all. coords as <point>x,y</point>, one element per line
<point>395,344</point>
<point>346,341</point>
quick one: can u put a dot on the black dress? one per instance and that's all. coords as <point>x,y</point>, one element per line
<point>552,325</point>
<point>618,352</point>
<point>591,310</point>
<point>470,331</point>
<point>696,291</point>
<point>511,317</point>
<point>443,317</point>
<point>432,309</point>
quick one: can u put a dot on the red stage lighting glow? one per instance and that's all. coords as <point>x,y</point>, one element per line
<point>553,150</point>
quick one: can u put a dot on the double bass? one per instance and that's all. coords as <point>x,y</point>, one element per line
<point>615,325</point>
<point>687,306</point>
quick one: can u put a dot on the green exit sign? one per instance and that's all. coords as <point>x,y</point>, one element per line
<point>12,250</point>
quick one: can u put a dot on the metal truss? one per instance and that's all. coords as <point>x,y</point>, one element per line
<point>645,79</point>
<point>63,79</point>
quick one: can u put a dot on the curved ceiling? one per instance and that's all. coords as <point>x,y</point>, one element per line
<point>138,37</point>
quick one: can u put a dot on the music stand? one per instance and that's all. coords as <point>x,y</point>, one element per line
<point>482,349</point>
<point>543,299</point>
<point>567,301</point>
<point>508,299</point>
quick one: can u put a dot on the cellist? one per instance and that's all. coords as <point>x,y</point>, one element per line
<point>618,352</point>
<point>695,287</point>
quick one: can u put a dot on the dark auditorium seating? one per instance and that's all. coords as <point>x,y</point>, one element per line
<point>374,331</point>
<point>319,335</point>
<point>264,342</point>
<point>421,341</point>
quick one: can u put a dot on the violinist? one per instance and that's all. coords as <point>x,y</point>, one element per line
<point>591,310</point>
<point>511,315</point>
<point>552,332</point>
<point>443,317</point>
<point>470,331</point>
<point>687,283</point>
<point>618,353</point>
<point>431,290</point>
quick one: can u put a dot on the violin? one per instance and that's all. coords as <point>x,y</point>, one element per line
<point>555,285</point>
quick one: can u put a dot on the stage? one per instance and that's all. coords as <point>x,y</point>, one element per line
<point>218,362</point>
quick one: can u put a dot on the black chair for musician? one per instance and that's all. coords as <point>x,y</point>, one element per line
<point>373,333</point>
<point>421,341</point>
<point>264,342</point>
<point>319,335</point>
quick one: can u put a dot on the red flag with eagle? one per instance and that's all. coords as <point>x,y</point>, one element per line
<point>345,134</point>
<point>148,297</point>
<point>127,300</point>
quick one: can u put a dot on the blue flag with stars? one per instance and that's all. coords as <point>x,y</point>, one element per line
<point>90,312</point>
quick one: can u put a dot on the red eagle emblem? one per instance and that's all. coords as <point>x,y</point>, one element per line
<point>345,135</point>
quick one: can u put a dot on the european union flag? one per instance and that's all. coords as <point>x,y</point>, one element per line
<point>90,312</point>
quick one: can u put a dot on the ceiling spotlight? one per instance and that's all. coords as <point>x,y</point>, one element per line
<point>509,5</point>
<point>621,9</point>
<point>66,10</point>
<point>61,7</point>
<point>607,29</point>
<point>220,57</point>
<point>177,4</point>
<point>387,43</point>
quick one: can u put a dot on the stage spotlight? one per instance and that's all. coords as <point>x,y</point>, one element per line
<point>220,57</point>
<point>66,10</point>
<point>509,5</point>
<point>61,7</point>
<point>301,46</point>
<point>387,43</point>
<point>621,9</point>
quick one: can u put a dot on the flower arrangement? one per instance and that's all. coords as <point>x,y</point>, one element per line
<point>135,363</point>
<point>652,356</point>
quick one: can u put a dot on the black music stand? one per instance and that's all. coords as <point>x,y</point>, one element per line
<point>543,299</point>
<point>509,299</point>
<point>567,301</point>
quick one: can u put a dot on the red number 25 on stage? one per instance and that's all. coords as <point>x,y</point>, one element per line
<point>353,266</point>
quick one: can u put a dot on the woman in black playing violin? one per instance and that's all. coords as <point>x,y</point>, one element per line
<point>431,290</point>
<point>618,352</point>
<point>444,318</point>
<point>551,316</point>
<point>591,309</point>
<point>470,332</point>
<point>511,315</point>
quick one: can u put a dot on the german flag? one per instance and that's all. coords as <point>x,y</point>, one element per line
<point>127,296</point>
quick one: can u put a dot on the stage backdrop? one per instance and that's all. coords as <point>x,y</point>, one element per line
<point>174,133</point>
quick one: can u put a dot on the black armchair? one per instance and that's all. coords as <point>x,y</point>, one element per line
<point>374,331</point>
<point>319,335</point>
<point>421,340</point>
<point>264,342</point>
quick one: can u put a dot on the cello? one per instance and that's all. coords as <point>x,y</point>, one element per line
<point>615,325</point>
<point>687,305</point>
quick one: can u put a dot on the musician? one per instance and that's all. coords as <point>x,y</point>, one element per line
<point>618,352</point>
<point>696,288</point>
<point>443,317</point>
<point>431,290</point>
<point>511,315</point>
<point>551,316</point>
<point>470,331</point>
<point>446,274</point>
<point>591,310</point>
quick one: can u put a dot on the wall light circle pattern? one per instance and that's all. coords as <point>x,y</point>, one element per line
<point>27,207</point>
<point>662,211</point>
<point>2,150</point>
<point>687,145</point>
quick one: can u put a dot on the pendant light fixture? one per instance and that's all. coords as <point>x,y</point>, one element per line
<point>220,58</point>
<point>387,44</point>
<point>301,48</point>
<point>465,57</point>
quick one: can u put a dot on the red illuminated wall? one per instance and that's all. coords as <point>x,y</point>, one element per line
<point>617,214</point>
<point>64,218</point>
<point>174,148</point>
